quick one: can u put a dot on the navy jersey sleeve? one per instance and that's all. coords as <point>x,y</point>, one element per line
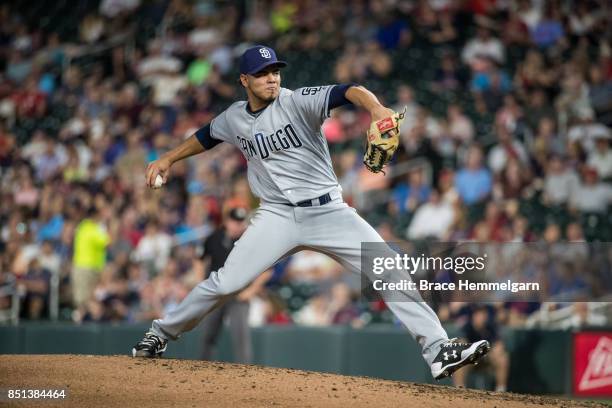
<point>337,96</point>
<point>205,138</point>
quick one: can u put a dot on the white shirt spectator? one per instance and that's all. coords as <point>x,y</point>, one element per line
<point>587,133</point>
<point>531,16</point>
<point>498,156</point>
<point>311,266</point>
<point>558,188</point>
<point>154,249</point>
<point>112,8</point>
<point>593,198</point>
<point>602,162</point>
<point>157,64</point>
<point>462,128</point>
<point>476,47</point>
<point>203,38</point>
<point>314,313</point>
<point>431,220</point>
<point>166,87</point>
<point>222,58</point>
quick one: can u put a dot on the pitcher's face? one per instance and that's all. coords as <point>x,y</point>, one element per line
<point>264,85</point>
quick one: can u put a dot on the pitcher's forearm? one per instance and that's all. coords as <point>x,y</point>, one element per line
<point>363,98</point>
<point>188,148</point>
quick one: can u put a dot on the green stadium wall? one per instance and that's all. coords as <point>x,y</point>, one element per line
<point>540,359</point>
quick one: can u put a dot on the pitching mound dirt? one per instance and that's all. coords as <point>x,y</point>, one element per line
<point>120,381</point>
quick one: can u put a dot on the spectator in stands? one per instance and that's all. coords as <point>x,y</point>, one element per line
<point>537,108</point>
<point>49,259</point>
<point>600,158</point>
<point>460,126</point>
<point>50,161</point>
<point>512,181</point>
<point>584,20</point>
<point>29,101</point>
<point>473,181</point>
<point>491,86</point>
<point>257,27</point>
<point>275,310</point>
<point>411,193</point>
<point>448,77</point>
<point>481,323</point>
<point>515,32</point>
<point>432,219</point>
<point>591,195</point>
<point>560,182</point>
<point>484,45</point>
<point>153,249</point>
<point>549,32</point>
<point>573,102</point>
<point>507,148</point>
<point>91,239</point>
<point>443,31</point>
<point>35,285</point>
<point>600,94</point>
<point>490,78</point>
<point>546,141</point>
<point>316,312</point>
<point>567,283</point>
<point>585,130</point>
<point>393,32</point>
<point>584,316</point>
<point>342,309</point>
<point>92,28</point>
<point>310,266</point>
<point>378,62</point>
<point>533,74</point>
<point>405,99</point>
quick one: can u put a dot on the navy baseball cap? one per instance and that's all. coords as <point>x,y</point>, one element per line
<point>256,58</point>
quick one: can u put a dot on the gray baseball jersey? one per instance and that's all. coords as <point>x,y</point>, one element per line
<point>289,162</point>
<point>288,158</point>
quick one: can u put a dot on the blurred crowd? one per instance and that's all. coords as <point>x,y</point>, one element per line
<point>506,139</point>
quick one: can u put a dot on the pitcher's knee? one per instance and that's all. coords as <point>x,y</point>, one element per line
<point>226,281</point>
<point>226,287</point>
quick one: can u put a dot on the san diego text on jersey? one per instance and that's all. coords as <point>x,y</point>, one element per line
<point>284,138</point>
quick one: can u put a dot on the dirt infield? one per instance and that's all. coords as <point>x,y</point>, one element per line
<point>119,381</point>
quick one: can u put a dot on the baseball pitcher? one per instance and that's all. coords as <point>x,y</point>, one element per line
<point>290,170</point>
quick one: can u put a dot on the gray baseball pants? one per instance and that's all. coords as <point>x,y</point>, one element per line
<point>277,230</point>
<point>212,325</point>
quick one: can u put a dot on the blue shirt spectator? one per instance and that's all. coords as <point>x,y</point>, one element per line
<point>483,81</point>
<point>473,185</point>
<point>403,192</point>
<point>390,33</point>
<point>52,230</point>
<point>547,33</point>
<point>473,182</point>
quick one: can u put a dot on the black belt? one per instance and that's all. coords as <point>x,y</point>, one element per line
<point>324,199</point>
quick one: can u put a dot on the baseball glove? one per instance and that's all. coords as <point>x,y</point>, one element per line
<point>383,141</point>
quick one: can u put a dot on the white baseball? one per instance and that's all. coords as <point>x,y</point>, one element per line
<point>159,181</point>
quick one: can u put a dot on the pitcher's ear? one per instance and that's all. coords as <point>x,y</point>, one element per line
<point>243,80</point>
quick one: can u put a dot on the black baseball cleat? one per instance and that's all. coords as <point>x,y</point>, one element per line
<point>454,355</point>
<point>150,346</point>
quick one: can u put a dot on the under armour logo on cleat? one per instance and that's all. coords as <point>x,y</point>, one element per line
<point>448,355</point>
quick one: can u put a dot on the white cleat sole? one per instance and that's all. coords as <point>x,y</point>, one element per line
<point>481,349</point>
